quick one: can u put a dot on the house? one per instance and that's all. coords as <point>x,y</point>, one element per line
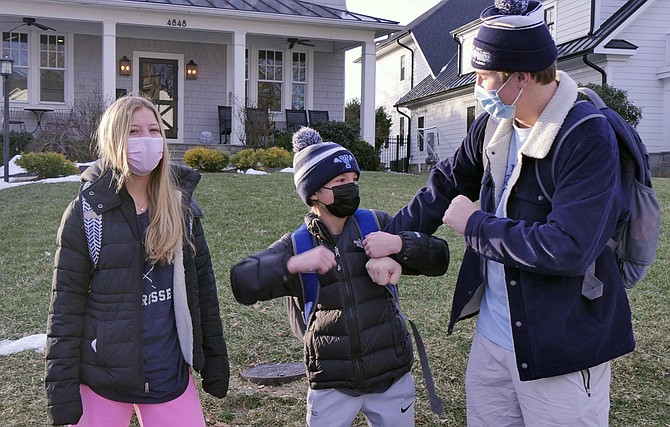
<point>189,56</point>
<point>625,44</point>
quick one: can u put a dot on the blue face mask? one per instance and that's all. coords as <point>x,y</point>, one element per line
<point>491,103</point>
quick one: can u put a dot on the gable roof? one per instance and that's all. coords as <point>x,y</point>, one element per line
<point>450,79</point>
<point>588,43</point>
<point>278,7</point>
<point>431,29</point>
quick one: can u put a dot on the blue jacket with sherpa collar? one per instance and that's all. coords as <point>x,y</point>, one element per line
<point>545,246</point>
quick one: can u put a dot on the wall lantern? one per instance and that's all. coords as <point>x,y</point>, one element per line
<point>191,70</point>
<point>124,66</point>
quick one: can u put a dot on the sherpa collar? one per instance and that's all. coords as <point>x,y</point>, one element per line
<point>542,135</point>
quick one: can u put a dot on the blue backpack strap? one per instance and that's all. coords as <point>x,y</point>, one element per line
<point>302,242</point>
<point>368,223</point>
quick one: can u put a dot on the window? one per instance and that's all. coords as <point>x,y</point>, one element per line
<point>422,132</point>
<point>402,129</point>
<point>299,82</point>
<point>15,46</point>
<point>402,67</point>
<point>270,78</point>
<point>470,117</point>
<point>52,68</point>
<point>39,66</point>
<point>550,19</point>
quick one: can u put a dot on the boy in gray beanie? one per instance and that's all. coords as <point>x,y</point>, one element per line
<point>551,304</point>
<point>358,352</point>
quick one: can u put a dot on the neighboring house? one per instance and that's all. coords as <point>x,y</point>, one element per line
<point>625,44</point>
<point>409,58</point>
<point>272,54</point>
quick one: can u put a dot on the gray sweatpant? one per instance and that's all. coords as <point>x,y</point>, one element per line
<point>392,408</point>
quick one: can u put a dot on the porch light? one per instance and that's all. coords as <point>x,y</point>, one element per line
<point>124,66</point>
<point>191,70</point>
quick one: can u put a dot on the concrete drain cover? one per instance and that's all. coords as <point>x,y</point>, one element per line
<point>274,373</point>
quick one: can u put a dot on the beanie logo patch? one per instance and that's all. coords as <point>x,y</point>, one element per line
<point>344,158</point>
<point>480,56</point>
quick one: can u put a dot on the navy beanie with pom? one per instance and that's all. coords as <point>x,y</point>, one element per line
<point>514,37</point>
<point>317,162</point>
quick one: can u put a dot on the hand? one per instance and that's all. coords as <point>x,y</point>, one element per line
<point>384,271</point>
<point>319,259</point>
<point>457,214</point>
<point>380,244</point>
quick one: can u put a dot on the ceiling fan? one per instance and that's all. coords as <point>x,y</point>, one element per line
<point>31,22</point>
<point>292,41</point>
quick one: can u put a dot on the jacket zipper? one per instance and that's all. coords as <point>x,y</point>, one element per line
<point>351,313</point>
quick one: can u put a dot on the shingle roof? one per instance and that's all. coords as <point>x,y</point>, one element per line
<point>280,7</point>
<point>449,79</point>
<point>587,43</point>
<point>431,29</point>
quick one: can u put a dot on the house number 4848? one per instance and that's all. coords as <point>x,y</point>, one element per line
<point>176,22</point>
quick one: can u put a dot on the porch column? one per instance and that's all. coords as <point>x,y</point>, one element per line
<point>236,85</point>
<point>109,62</point>
<point>369,61</point>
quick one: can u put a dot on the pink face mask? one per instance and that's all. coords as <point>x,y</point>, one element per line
<point>144,154</point>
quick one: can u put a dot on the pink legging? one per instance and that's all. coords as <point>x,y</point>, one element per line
<point>185,410</point>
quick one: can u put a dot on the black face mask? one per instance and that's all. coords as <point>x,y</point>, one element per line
<point>345,200</point>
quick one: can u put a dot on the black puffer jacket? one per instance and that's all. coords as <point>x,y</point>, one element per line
<point>104,304</point>
<point>356,337</point>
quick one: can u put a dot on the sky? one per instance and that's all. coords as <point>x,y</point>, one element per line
<point>403,11</point>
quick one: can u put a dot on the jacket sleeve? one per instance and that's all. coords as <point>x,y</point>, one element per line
<point>420,253</point>
<point>585,207</point>
<point>69,290</point>
<point>264,276</point>
<point>216,371</point>
<point>459,174</point>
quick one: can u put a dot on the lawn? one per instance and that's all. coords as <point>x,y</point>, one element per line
<point>245,213</point>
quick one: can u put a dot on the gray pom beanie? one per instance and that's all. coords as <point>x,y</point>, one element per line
<point>317,162</point>
<point>514,37</point>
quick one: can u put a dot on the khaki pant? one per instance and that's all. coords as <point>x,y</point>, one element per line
<point>496,397</point>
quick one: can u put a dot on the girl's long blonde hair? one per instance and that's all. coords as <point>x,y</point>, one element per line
<point>166,217</point>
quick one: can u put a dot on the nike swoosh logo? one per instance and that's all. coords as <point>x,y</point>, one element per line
<point>403,410</point>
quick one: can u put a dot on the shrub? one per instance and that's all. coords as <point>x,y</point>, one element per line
<point>206,159</point>
<point>276,157</point>
<point>47,165</point>
<point>617,100</point>
<point>282,139</point>
<point>74,135</point>
<point>345,135</point>
<point>245,159</point>
<point>18,142</point>
<point>366,155</point>
<point>339,132</point>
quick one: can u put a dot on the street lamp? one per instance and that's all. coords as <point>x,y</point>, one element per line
<point>6,69</point>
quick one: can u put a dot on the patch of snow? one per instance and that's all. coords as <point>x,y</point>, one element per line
<point>32,342</point>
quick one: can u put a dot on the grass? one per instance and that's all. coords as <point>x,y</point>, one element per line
<point>245,214</point>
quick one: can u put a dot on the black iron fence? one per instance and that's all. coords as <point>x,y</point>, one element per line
<point>394,154</point>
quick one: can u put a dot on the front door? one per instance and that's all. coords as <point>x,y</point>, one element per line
<point>158,82</point>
